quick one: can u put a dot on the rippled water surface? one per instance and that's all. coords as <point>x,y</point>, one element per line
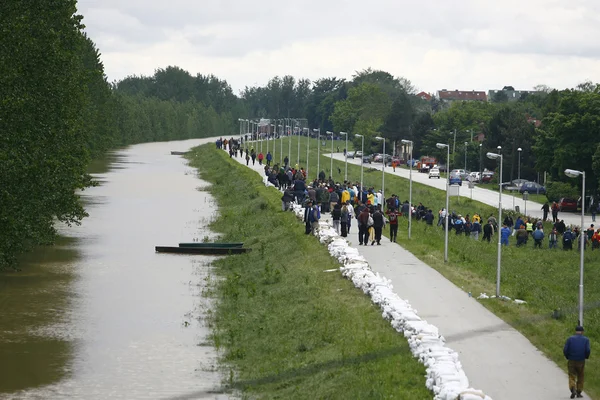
<point>101,315</point>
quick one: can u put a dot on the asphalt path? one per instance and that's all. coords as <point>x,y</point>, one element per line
<point>496,358</point>
<point>480,194</point>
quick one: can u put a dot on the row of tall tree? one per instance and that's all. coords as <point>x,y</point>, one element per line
<point>554,129</point>
<point>57,111</point>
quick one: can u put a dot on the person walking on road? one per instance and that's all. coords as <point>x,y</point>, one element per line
<point>545,209</point>
<point>576,351</point>
<point>378,224</point>
<point>554,212</point>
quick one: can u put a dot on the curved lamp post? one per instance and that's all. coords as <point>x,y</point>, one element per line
<point>573,173</point>
<point>447,147</point>
<point>318,131</point>
<point>382,168</point>
<point>410,144</point>
<point>496,156</point>
<point>361,160</point>
<point>331,158</point>
<point>346,156</point>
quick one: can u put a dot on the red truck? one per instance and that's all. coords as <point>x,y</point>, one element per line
<point>425,163</point>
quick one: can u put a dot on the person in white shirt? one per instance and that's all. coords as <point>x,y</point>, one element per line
<point>350,214</point>
<point>379,198</point>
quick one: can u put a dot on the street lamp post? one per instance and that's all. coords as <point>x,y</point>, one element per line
<point>362,150</point>
<point>318,130</point>
<point>287,130</point>
<point>346,156</point>
<point>447,147</point>
<point>519,170</point>
<point>300,134</point>
<point>382,168</point>
<point>410,144</point>
<point>572,173</point>
<point>307,147</point>
<point>331,158</point>
<point>466,144</point>
<point>496,156</point>
<point>281,144</point>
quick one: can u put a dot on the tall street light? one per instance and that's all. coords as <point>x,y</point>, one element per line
<point>410,144</point>
<point>318,131</point>
<point>287,130</point>
<point>300,134</point>
<point>572,173</point>
<point>331,158</point>
<point>382,168</point>
<point>519,173</point>
<point>447,147</point>
<point>496,156</point>
<point>346,171</point>
<point>362,149</point>
<point>307,146</point>
<point>466,144</point>
<point>281,144</point>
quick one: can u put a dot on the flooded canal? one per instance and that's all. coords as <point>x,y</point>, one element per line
<point>101,315</point>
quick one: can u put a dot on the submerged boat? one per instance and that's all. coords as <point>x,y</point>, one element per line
<point>201,250</point>
<point>207,244</point>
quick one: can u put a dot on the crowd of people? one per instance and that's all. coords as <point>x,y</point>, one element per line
<point>347,201</point>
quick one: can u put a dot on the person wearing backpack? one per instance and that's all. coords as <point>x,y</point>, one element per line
<point>393,218</point>
<point>314,216</point>
<point>336,216</point>
<point>568,240</point>
<point>538,236</point>
<point>378,224</point>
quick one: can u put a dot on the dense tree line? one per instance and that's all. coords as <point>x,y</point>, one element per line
<point>57,110</point>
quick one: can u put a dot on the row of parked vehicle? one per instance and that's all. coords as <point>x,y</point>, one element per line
<point>374,158</point>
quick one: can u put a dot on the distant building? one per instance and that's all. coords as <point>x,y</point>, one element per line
<point>511,94</point>
<point>424,96</point>
<point>461,95</point>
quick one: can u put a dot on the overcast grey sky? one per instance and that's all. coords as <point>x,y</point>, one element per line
<point>437,44</point>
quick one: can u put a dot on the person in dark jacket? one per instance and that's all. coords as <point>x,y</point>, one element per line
<point>378,224</point>
<point>363,232</point>
<point>576,351</point>
<point>336,215</point>
<point>546,210</point>
<point>567,240</point>
<point>488,230</point>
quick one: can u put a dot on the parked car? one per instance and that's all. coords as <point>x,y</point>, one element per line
<point>486,177</point>
<point>455,179</point>
<point>358,153</point>
<point>351,154</point>
<point>475,177</point>
<point>366,159</point>
<point>532,187</point>
<point>434,173</point>
<point>568,204</point>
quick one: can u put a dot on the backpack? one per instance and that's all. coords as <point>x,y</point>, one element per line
<point>370,222</point>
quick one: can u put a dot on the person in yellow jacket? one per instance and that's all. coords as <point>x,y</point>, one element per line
<point>345,196</point>
<point>371,198</point>
<point>529,227</point>
<point>476,218</point>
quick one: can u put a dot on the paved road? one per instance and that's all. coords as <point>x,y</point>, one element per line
<point>495,357</point>
<point>485,196</point>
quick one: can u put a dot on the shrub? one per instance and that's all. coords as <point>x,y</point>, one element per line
<point>556,190</point>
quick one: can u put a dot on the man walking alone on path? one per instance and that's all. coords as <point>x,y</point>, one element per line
<point>576,351</point>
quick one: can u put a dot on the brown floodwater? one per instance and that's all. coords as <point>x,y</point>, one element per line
<point>101,315</point>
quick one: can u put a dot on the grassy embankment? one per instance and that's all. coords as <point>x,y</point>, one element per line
<point>288,329</point>
<point>547,279</point>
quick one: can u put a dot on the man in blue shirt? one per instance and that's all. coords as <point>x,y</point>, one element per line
<point>576,351</point>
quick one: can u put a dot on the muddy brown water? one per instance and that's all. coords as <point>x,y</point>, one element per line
<point>101,315</point>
